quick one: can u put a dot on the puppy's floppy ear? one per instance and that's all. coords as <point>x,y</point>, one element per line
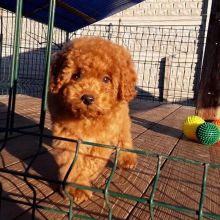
<point>56,67</point>
<point>128,81</point>
<point>60,70</point>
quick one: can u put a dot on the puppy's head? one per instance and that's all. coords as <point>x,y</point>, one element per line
<point>92,75</point>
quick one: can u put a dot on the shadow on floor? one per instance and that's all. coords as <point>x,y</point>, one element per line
<point>21,148</point>
<point>156,127</point>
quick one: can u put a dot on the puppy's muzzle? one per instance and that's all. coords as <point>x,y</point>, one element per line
<point>87,99</point>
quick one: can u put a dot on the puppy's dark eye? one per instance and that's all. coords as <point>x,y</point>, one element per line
<point>76,76</point>
<point>106,79</point>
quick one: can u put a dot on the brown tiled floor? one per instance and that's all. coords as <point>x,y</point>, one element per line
<point>155,127</point>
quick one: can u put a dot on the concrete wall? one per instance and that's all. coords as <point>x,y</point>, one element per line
<point>180,12</point>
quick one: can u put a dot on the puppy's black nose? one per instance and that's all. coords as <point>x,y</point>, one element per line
<point>87,99</point>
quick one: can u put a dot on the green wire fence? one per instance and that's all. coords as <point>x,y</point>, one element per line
<point>150,201</point>
<point>9,128</point>
<point>155,50</point>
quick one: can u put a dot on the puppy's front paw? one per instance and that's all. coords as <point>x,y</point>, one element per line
<point>79,195</point>
<point>127,160</point>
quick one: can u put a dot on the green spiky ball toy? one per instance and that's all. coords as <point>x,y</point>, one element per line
<point>207,133</point>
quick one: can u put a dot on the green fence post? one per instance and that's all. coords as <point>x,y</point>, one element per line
<point>201,204</point>
<point>52,8</point>
<point>106,193</point>
<point>14,72</point>
<point>15,61</point>
<point>70,213</point>
<point>47,75</point>
<point>151,203</point>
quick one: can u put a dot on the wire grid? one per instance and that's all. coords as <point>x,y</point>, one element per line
<point>151,48</point>
<point>148,201</point>
<point>106,192</point>
<point>32,53</point>
<point>168,59</point>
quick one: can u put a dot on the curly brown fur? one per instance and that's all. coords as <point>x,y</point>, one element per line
<point>104,71</point>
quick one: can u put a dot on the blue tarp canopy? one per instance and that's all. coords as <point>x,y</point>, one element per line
<point>70,15</point>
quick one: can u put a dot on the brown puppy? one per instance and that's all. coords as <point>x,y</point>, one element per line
<point>92,80</point>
